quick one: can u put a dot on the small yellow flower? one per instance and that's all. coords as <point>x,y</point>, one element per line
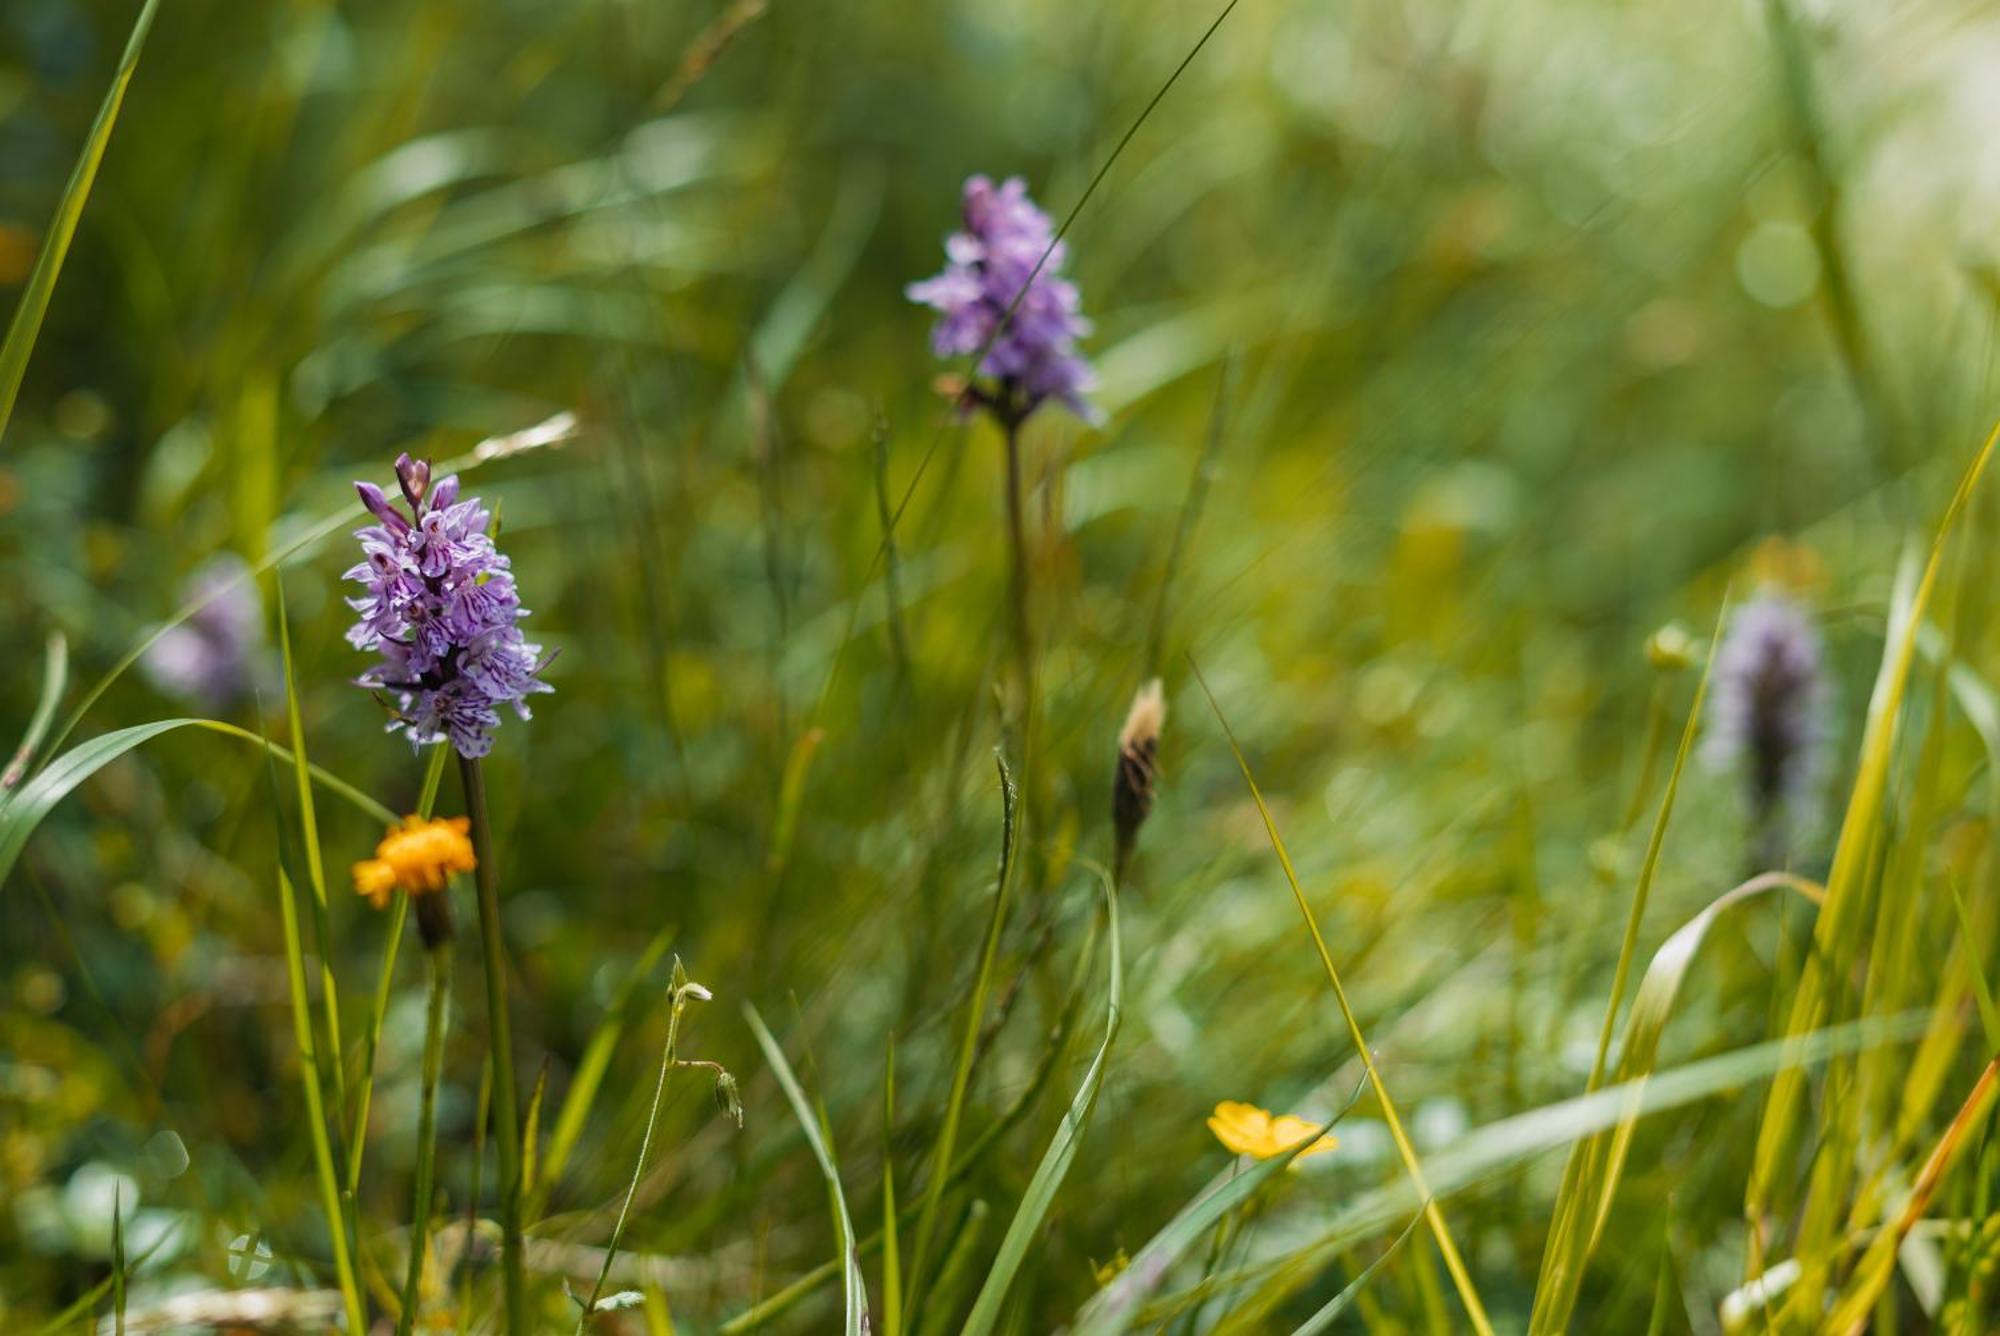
<point>417,856</point>
<point>1249,1130</point>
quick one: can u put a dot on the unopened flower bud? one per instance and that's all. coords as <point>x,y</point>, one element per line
<point>1133,787</point>
<point>1670,649</point>
<point>414,476</point>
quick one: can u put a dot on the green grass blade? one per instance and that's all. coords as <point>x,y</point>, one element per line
<point>1461,1279</point>
<point>892,1252</point>
<point>854,1298</point>
<point>54,782</point>
<point>316,1113</point>
<point>118,1258</point>
<point>437,1019</point>
<point>531,1132</point>
<point>955,1275</point>
<point>1049,1174</point>
<point>961,1075</point>
<point>1341,1302</point>
<point>1652,1008</point>
<point>315,868</point>
<point>1573,1231</point>
<point>55,673</point>
<point>26,326</point>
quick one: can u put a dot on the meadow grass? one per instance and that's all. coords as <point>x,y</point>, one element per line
<point>1444,368</point>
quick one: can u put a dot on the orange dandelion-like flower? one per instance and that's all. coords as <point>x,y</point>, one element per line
<point>1249,1130</point>
<point>417,856</point>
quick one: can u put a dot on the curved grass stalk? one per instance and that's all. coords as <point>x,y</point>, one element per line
<point>1049,1174</point>
<point>1461,1279</point>
<point>961,1076</point>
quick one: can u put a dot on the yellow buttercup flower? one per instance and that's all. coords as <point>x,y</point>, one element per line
<point>1249,1130</point>
<point>417,856</point>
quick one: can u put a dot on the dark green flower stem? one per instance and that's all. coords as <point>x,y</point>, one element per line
<point>506,1117</point>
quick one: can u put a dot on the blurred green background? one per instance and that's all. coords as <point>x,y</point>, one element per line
<point>1489,339</point>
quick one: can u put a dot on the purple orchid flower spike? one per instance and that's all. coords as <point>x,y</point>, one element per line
<point>997,258</point>
<point>438,604</point>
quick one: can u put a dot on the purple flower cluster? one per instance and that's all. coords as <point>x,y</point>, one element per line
<point>440,608</point>
<point>216,655</point>
<point>990,264</point>
<point>1769,708</point>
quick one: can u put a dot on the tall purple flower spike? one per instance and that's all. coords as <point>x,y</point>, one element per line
<point>1768,718</point>
<point>989,264</point>
<point>439,606</point>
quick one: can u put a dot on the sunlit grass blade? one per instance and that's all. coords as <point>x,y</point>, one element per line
<point>1850,1316</point>
<point>854,1296</point>
<point>1836,937</point>
<point>590,1069</point>
<point>55,674</point>
<point>316,1113</point>
<point>54,782</point>
<point>975,1013</point>
<point>1042,1188</point>
<point>1461,1279</point>
<point>1573,1231</point>
<point>26,325</point>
